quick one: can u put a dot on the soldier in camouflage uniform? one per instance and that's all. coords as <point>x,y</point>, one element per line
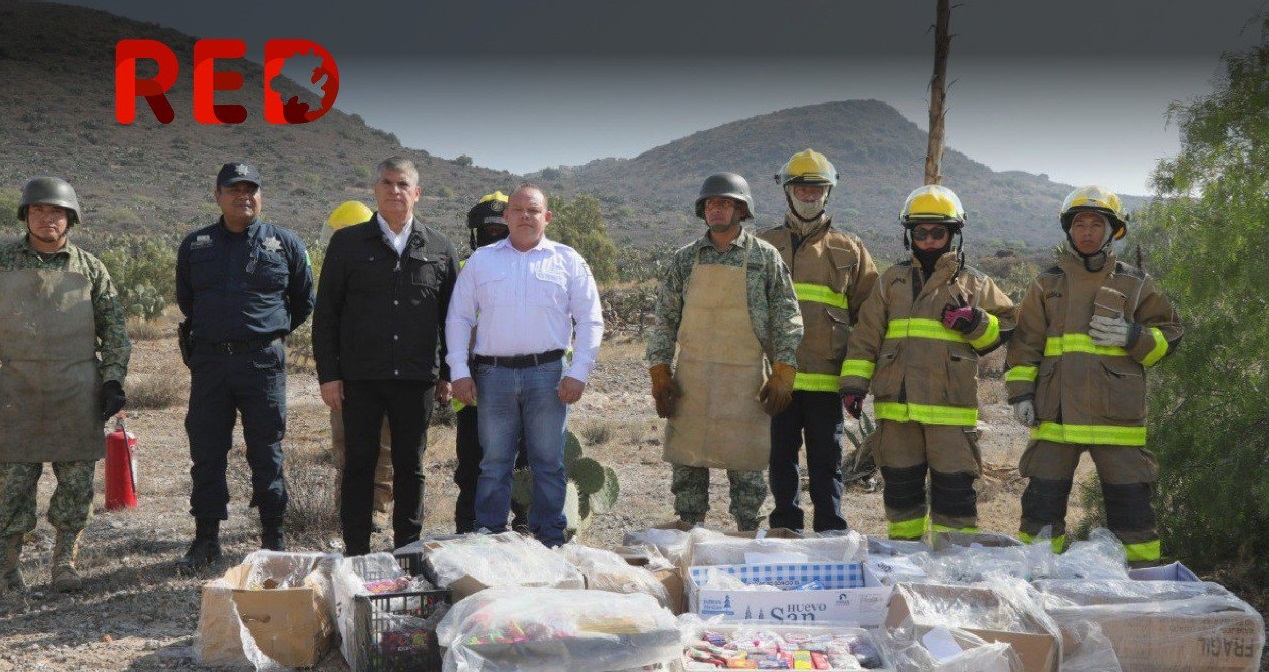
<point>718,400</point>
<point>50,207</point>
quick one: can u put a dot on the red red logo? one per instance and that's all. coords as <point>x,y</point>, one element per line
<point>208,80</point>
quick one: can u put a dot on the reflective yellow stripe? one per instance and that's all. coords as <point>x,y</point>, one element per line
<point>1102,435</point>
<point>1056,346</point>
<point>920,327</point>
<point>926,413</point>
<point>815,382</point>
<point>1160,349</point>
<point>1021,374</point>
<point>1056,543</point>
<point>989,336</point>
<point>858,367</point>
<point>458,405</point>
<point>820,294</point>
<point>944,528</point>
<point>908,529</point>
<point>1148,550</point>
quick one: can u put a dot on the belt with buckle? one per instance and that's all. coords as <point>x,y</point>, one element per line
<point>520,361</point>
<point>239,347</point>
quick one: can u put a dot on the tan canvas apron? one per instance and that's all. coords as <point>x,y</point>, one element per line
<point>718,422</point>
<point>49,384</point>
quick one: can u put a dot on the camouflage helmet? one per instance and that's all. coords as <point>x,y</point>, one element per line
<point>728,185</point>
<point>50,191</point>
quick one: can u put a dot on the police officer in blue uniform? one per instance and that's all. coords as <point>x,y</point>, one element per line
<point>243,284</point>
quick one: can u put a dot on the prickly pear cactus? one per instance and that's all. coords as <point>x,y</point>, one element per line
<point>592,487</point>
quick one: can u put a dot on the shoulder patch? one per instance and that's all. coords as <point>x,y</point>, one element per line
<point>200,241</point>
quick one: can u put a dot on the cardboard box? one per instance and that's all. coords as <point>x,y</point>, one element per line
<point>293,626</point>
<point>918,605</point>
<point>673,582</point>
<point>852,594</point>
<point>467,585</point>
<point>1206,628</point>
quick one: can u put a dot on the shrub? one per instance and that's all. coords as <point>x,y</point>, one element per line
<point>156,390</point>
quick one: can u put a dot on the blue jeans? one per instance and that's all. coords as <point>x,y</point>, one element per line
<point>514,402</point>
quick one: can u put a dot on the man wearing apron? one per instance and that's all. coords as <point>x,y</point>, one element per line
<point>727,301</point>
<point>63,357</point>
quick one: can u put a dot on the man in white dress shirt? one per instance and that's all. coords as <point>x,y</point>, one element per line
<point>524,295</point>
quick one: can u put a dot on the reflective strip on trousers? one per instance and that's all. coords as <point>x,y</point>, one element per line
<point>1056,543</point>
<point>1021,374</point>
<point>858,367</point>
<point>946,528</point>
<point>926,413</point>
<point>908,529</point>
<point>815,382</point>
<point>1101,435</point>
<point>920,327</point>
<point>1145,551</point>
<point>805,291</point>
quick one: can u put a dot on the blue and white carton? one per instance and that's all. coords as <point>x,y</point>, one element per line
<point>845,593</point>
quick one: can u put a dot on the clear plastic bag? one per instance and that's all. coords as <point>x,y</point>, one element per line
<point>607,571</point>
<point>946,650</point>
<point>707,547</point>
<point>548,630</point>
<point>507,559</point>
<point>713,643</point>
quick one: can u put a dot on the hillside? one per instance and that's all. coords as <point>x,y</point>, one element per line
<point>879,153</point>
<point>57,117</point>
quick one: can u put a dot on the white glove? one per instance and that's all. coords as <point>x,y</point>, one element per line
<point>1024,412</point>
<point>1113,331</point>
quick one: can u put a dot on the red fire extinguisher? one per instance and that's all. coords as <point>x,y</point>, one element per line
<point>121,468</point>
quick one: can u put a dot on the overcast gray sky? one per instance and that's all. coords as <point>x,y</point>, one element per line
<point>1076,89</point>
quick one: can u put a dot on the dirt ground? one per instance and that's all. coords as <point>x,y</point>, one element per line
<point>137,613</point>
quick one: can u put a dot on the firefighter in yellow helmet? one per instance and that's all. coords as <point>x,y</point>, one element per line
<point>486,226</point>
<point>347,214</point>
<point>1087,330</point>
<point>917,345</point>
<point>832,275</point>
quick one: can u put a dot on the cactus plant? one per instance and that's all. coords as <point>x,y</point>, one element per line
<point>592,488</point>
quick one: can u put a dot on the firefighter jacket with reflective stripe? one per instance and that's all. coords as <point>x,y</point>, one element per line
<point>1086,393</point>
<point>920,370</point>
<point>832,275</point>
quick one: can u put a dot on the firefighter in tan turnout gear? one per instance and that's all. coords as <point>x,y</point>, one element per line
<point>1087,330</point>
<point>917,344</point>
<point>61,335</point>
<point>832,275</point>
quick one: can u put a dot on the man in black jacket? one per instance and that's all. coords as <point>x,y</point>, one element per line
<point>382,298</point>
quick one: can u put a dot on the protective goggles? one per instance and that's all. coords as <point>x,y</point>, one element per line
<point>936,234</point>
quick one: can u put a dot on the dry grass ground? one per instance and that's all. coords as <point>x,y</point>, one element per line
<point>137,613</point>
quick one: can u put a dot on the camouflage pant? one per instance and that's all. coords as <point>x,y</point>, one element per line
<point>69,508</point>
<point>690,486</point>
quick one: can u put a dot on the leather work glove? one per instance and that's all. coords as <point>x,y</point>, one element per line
<point>961,316</point>
<point>853,402</point>
<point>664,390</point>
<point>777,392</point>
<point>1113,331</point>
<point>1024,413</point>
<point>112,399</point>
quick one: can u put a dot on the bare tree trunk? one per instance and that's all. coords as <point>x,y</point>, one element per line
<point>938,94</point>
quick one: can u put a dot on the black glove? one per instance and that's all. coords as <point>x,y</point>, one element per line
<point>112,399</point>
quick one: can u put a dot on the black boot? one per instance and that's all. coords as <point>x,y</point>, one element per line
<point>271,536</point>
<point>206,547</point>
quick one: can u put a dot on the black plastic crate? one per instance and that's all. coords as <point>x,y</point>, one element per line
<point>411,562</point>
<point>393,632</point>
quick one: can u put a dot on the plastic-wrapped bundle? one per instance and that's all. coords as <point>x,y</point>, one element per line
<point>607,571</point>
<point>1101,557</point>
<point>706,547</point>
<point>671,542</point>
<point>1126,591</point>
<point>507,559</point>
<point>715,643</point>
<point>548,630</point>
<point>946,650</point>
<point>387,619</point>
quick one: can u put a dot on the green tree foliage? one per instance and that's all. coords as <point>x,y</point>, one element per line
<point>579,223</point>
<point>144,271</point>
<point>1205,236</point>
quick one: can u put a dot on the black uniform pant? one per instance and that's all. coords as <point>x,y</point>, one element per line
<point>470,453</point>
<point>818,416</point>
<point>222,386</point>
<point>408,407</point>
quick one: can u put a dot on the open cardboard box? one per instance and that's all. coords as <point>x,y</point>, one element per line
<point>917,605</point>
<point>293,625</point>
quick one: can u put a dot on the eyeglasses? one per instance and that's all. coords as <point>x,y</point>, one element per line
<point>937,233</point>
